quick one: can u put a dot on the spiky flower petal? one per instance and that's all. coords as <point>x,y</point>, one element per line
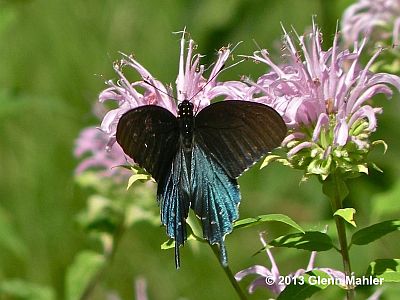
<point>377,19</point>
<point>190,84</point>
<point>325,100</point>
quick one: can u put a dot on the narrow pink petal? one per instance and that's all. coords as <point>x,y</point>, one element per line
<point>323,120</point>
<point>109,94</point>
<point>223,55</point>
<point>341,133</point>
<point>180,80</point>
<point>311,262</point>
<point>385,78</point>
<point>256,269</point>
<point>368,94</point>
<point>293,136</point>
<point>366,112</point>
<point>299,147</point>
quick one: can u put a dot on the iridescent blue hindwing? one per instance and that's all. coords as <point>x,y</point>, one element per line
<point>173,195</point>
<point>215,198</point>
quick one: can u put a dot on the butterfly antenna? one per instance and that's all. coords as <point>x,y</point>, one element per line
<point>158,89</point>
<point>213,77</point>
<point>202,88</point>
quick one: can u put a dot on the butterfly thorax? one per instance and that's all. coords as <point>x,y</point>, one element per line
<point>185,118</point>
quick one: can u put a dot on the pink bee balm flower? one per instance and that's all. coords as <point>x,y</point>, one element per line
<point>324,98</point>
<point>377,19</point>
<point>190,84</point>
<point>91,147</point>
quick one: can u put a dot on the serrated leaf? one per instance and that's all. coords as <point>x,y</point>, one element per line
<point>267,218</point>
<point>23,290</point>
<point>388,269</point>
<point>310,240</point>
<point>80,274</point>
<point>347,214</point>
<point>371,233</point>
<point>307,289</point>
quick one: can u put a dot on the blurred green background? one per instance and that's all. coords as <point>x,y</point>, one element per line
<point>54,57</point>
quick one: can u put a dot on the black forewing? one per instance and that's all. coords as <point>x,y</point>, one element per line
<point>149,135</point>
<point>238,133</point>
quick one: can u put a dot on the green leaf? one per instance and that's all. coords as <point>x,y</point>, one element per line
<point>300,290</point>
<point>388,269</point>
<point>23,290</point>
<point>310,240</point>
<point>376,167</point>
<point>82,272</point>
<point>371,233</point>
<point>268,159</point>
<point>347,214</point>
<point>170,243</point>
<point>243,223</point>
<point>361,168</point>
<point>137,177</point>
<point>138,174</point>
<point>267,218</point>
<point>273,157</point>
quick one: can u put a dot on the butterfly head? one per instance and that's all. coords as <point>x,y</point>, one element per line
<point>185,109</point>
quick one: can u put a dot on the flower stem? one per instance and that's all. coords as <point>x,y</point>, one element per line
<point>336,202</point>
<point>229,274</point>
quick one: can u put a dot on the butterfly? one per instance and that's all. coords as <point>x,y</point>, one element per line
<point>196,159</point>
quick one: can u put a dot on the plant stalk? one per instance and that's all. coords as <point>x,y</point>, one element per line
<point>229,274</point>
<point>336,203</point>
